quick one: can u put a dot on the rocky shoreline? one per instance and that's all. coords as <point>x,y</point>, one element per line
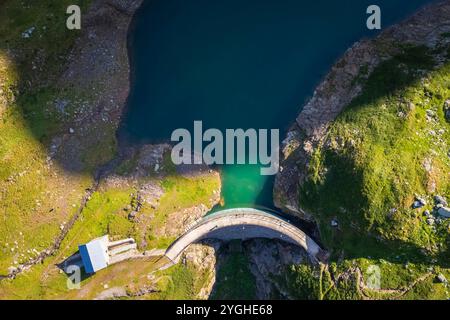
<point>98,67</point>
<point>340,86</point>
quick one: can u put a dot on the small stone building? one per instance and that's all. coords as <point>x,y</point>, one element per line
<point>100,252</point>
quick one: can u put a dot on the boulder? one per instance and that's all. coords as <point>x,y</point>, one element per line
<point>132,215</point>
<point>27,33</point>
<point>444,211</point>
<point>430,113</point>
<point>12,270</point>
<point>441,278</point>
<point>440,200</point>
<point>447,110</point>
<point>419,203</point>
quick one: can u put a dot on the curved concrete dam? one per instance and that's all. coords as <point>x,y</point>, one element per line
<point>244,223</point>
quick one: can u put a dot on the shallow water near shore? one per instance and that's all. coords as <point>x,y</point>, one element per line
<point>237,64</point>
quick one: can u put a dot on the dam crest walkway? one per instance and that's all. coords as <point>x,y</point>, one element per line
<point>244,224</point>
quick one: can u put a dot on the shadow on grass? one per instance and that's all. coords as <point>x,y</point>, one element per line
<point>73,264</point>
<point>234,280</point>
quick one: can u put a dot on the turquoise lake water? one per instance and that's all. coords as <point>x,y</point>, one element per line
<point>237,64</point>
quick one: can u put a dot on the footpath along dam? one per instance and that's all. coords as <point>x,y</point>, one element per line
<point>244,223</point>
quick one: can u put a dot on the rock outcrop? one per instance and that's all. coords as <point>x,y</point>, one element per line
<point>268,263</point>
<point>202,258</point>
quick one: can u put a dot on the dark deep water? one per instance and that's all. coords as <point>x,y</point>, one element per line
<point>237,64</point>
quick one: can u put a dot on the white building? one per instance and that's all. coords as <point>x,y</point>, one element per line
<point>100,252</point>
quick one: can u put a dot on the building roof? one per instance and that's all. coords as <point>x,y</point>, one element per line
<point>94,254</point>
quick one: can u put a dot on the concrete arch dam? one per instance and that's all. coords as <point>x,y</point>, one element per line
<point>244,223</point>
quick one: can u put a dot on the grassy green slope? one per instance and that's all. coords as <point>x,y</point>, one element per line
<point>234,279</point>
<point>375,157</point>
<point>35,198</point>
<point>388,146</point>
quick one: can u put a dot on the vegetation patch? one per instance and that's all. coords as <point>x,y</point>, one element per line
<point>37,197</point>
<point>234,279</point>
<point>389,146</point>
<point>372,183</point>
